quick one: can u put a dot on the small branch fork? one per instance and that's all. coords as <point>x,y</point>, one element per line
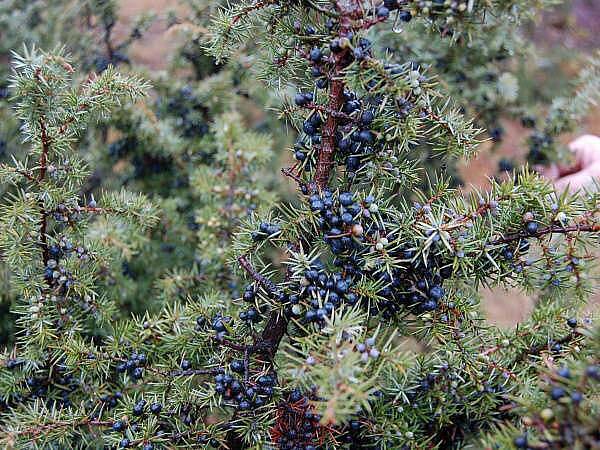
<point>536,350</point>
<point>267,284</point>
<point>267,343</point>
<point>276,325</point>
<point>289,172</point>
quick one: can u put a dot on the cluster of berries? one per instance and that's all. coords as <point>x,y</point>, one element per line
<point>539,144</point>
<point>241,393</point>
<point>356,135</point>
<point>565,428</point>
<point>200,323</point>
<point>63,249</point>
<point>341,219</point>
<point>140,408</point>
<point>354,138</point>
<point>61,279</point>
<point>189,111</point>
<point>367,349</point>
<point>351,235</point>
<point>265,230</point>
<point>53,387</point>
<point>250,315</point>
<point>58,277</point>
<point>111,400</point>
<point>515,252</point>
<point>351,434</point>
<point>121,426</point>
<point>220,324</point>
<point>134,366</point>
<point>419,288</point>
<point>297,426</point>
<point>322,292</point>
<point>164,429</point>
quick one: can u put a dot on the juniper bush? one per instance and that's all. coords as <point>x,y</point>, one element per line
<point>314,350</point>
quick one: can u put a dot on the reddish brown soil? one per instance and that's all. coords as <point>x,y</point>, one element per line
<point>158,43</point>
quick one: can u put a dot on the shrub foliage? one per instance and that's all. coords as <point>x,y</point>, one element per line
<point>345,316</point>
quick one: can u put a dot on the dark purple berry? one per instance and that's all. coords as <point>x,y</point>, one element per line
<point>405,16</point>
<point>119,425</point>
<point>520,441</point>
<point>383,12</point>
<point>315,54</point>
<point>532,227</point>
<point>557,393</point>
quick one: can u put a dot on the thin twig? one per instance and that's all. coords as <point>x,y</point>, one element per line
<point>594,228</point>
<point>267,284</point>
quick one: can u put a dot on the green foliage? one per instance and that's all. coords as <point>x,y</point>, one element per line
<point>359,322</point>
<point>206,170</point>
<point>559,408</point>
<point>86,29</point>
<point>55,263</point>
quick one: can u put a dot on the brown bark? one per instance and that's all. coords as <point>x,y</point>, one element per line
<point>326,154</point>
<point>347,10</point>
<point>43,168</point>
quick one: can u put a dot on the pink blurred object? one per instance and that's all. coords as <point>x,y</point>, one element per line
<point>586,167</point>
